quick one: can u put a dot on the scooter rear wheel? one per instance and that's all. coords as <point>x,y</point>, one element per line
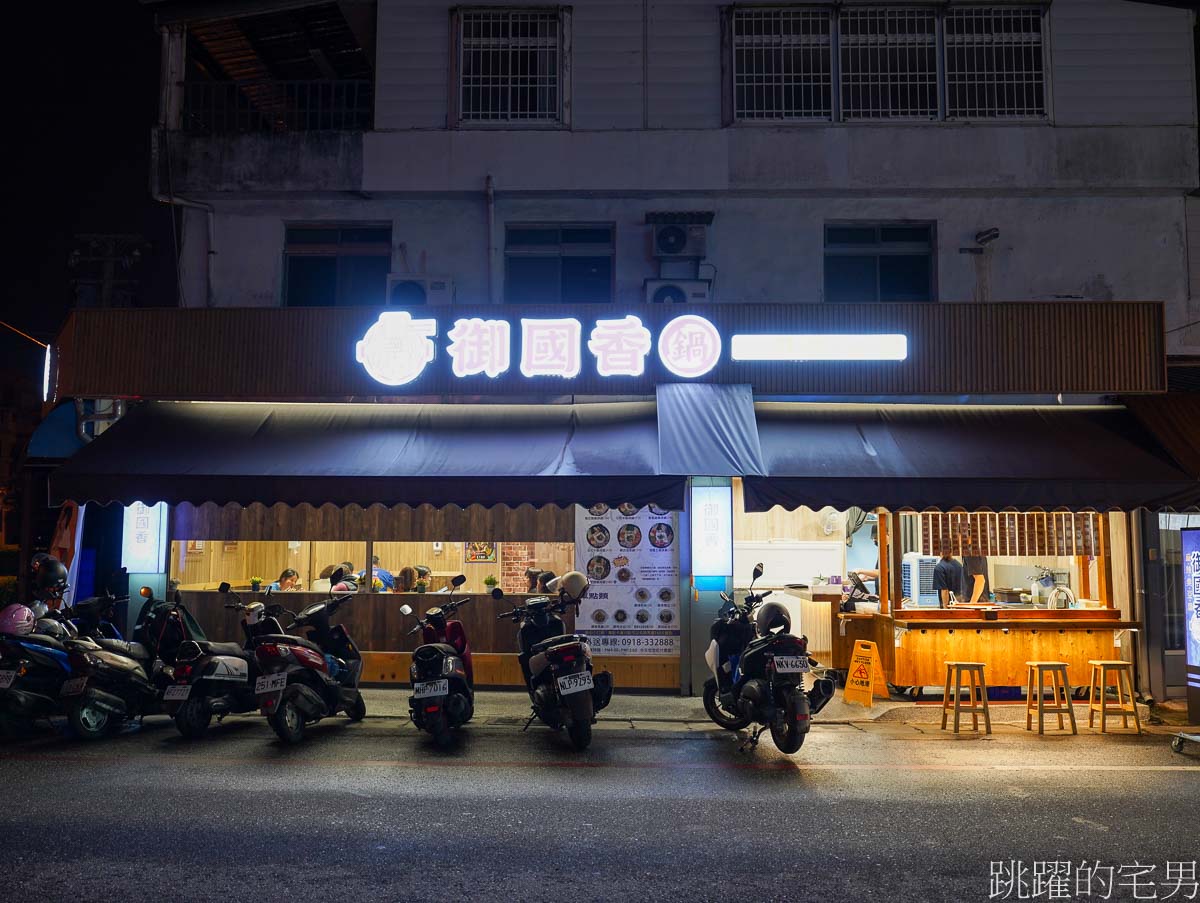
<point>193,718</point>
<point>357,711</point>
<point>287,721</point>
<point>581,735</point>
<point>721,716</point>
<point>789,736</point>
<point>89,722</point>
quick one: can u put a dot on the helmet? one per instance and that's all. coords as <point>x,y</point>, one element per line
<point>771,616</point>
<point>49,577</point>
<point>53,628</point>
<point>571,584</point>
<point>16,620</point>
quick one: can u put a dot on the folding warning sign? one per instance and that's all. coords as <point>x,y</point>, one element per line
<point>865,679</point>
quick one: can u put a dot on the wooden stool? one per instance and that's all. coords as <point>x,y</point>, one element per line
<point>1125,706</point>
<point>974,672</point>
<point>1059,680</point>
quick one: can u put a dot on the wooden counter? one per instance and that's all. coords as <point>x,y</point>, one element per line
<point>375,623</point>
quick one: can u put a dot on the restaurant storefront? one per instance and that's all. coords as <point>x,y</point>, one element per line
<point>446,440</point>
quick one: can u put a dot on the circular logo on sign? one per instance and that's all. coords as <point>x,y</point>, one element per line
<point>395,350</point>
<point>689,346</point>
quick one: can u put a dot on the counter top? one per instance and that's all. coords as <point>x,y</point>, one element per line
<point>1022,624</point>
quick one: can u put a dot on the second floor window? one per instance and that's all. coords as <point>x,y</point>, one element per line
<point>558,263</point>
<point>867,262</point>
<point>336,266</point>
<point>864,63</point>
<point>510,66</point>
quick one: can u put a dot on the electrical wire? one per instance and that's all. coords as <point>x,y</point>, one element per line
<point>25,334</point>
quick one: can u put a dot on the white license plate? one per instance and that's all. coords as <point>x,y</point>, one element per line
<point>270,683</point>
<point>575,683</point>
<point>176,692</point>
<point>427,688</point>
<point>792,664</point>
<point>73,687</point>
<point>7,678</point>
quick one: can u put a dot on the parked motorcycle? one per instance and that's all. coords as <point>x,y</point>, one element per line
<point>219,678</point>
<point>35,662</point>
<point>557,666</point>
<point>443,679</point>
<point>306,678</point>
<point>122,680</point>
<point>758,672</point>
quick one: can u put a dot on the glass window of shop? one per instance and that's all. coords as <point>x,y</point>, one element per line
<point>203,564</point>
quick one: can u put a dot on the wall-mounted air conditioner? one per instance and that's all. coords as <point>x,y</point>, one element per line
<point>679,235</point>
<point>678,291</point>
<point>411,289</point>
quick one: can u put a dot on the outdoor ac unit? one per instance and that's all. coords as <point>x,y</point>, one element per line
<point>408,289</point>
<point>678,291</point>
<point>680,241</point>
<point>917,581</point>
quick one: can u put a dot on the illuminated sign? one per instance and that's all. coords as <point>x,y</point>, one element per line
<point>1190,541</point>
<point>819,348</point>
<point>397,348</point>
<point>144,538</point>
<point>712,531</point>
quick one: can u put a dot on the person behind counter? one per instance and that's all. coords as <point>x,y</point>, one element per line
<point>948,580</point>
<point>288,581</point>
<point>976,587</point>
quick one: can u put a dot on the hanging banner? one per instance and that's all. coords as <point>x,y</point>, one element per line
<point>631,558</point>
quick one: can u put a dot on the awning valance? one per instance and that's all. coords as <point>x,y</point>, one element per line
<point>915,457</point>
<point>375,453</point>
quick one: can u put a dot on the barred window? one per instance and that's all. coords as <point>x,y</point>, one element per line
<point>510,65</point>
<point>994,63</point>
<point>782,64</point>
<point>889,63</point>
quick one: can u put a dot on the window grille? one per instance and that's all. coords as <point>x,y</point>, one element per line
<point>509,66</point>
<point>889,63</point>
<point>994,63</point>
<point>782,64</point>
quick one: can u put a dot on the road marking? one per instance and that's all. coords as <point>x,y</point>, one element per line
<point>1090,824</point>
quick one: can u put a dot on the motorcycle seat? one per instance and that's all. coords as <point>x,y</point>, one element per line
<point>210,648</point>
<point>123,647</point>
<point>285,640</point>
<point>40,639</point>
<point>555,641</point>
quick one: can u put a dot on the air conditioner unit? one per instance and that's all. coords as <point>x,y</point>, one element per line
<point>410,289</point>
<point>916,583</point>
<point>680,241</point>
<point>678,291</point>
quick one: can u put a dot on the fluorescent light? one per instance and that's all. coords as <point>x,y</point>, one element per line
<point>46,376</point>
<point>825,347</point>
<point>712,531</point>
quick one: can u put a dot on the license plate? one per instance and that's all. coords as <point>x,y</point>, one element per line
<point>575,683</point>
<point>792,664</point>
<point>73,687</point>
<point>176,692</point>
<point>427,688</point>
<point>271,683</point>
<point>7,678</point>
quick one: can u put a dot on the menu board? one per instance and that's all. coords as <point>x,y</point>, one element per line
<point>631,558</point>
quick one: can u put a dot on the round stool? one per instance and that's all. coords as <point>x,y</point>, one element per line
<point>1059,682</point>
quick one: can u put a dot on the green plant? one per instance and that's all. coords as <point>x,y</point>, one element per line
<point>490,580</point>
<point>420,586</point>
<point>256,582</point>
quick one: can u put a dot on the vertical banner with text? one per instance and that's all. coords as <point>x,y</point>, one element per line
<point>631,558</point>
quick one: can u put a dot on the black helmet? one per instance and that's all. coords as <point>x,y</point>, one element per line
<point>770,616</point>
<point>49,577</point>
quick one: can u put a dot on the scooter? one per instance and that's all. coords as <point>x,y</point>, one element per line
<point>563,687</point>
<point>443,679</point>
<point>758,670</point>
<point>35,666</point>
<point>307,678</point>
<point>219,678</point>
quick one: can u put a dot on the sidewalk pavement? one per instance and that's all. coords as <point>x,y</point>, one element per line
<point>686,713</point>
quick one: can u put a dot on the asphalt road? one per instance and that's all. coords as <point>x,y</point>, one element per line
<point>374,812</point>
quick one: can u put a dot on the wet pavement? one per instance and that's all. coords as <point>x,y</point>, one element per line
<point>660,807</point>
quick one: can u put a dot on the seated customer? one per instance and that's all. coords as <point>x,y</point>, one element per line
<point>406,580</point>
<point>288,581</point>
<point>349,582</point>
<point>383,575</point>
<point>948,580</point>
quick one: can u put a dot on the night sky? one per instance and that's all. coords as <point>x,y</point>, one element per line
<point>82,81</point>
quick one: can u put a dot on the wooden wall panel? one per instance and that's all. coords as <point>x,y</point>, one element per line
<point>803,524</point>
<point>267,352</point>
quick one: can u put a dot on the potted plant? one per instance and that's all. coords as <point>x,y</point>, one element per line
<point>255,584</point>
<point>490,581</point>
<point>420,586</point>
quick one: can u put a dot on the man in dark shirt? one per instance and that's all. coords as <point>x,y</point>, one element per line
<point>947,580</point>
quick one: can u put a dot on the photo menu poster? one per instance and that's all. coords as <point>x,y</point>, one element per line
<point>631,558</point>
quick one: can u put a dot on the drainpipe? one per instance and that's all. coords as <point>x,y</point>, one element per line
<point>489,190</point>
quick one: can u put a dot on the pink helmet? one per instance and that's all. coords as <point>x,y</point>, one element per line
<point>16,620</point>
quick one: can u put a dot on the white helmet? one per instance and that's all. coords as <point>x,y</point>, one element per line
<point>770,616</point>
<point>571,584</point>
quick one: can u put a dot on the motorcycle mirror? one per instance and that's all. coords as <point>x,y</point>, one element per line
<point>459,580</point>
<point>497,593</point>
<point>758,570</point>
<point>223,588</point>
<point>406,609</point>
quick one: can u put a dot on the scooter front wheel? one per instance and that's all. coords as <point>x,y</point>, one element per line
<point>88,721</point>
<point>358,710</point>
<point>721,716</point>
<point>193,718</point>
<point>287,721</point>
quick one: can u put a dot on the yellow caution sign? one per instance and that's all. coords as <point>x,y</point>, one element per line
<point>865,679</point>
